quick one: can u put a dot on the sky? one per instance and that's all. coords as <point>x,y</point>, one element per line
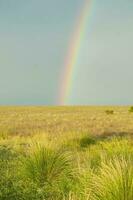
<point>34,40</point>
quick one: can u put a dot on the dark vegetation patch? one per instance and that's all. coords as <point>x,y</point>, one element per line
<point>7,153</point>
<point>109,112</point>
<point>131,109</point>
<point>109,135</point>
<point>87,141</point>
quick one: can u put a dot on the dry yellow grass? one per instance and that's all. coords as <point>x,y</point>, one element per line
<point>57,120</point>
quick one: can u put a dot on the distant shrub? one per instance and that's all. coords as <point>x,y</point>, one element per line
<point>131,109</point>
<point>109,112</point>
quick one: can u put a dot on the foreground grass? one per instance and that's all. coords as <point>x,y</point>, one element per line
<point>68,162</point>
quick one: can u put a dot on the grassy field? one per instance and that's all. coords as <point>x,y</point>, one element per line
<point>66,153</point>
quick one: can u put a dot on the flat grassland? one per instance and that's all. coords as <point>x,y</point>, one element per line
<point>90,119</point>
<point>66,153</point>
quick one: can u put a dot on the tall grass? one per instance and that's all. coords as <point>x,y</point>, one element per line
<point>114,181</point>
<point>47,166</point>
<point>98,171</point>
<point>50,169</point>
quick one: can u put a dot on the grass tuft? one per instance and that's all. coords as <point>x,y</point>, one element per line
<point>114,180</point>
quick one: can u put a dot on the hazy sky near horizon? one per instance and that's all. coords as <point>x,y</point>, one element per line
<point>34,41</point>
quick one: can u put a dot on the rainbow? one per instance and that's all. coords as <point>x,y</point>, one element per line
<point>73,53</point>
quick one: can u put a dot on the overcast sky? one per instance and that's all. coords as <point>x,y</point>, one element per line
<point>34,40</point>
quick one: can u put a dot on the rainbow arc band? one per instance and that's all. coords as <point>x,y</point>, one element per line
<point>73,52</point>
